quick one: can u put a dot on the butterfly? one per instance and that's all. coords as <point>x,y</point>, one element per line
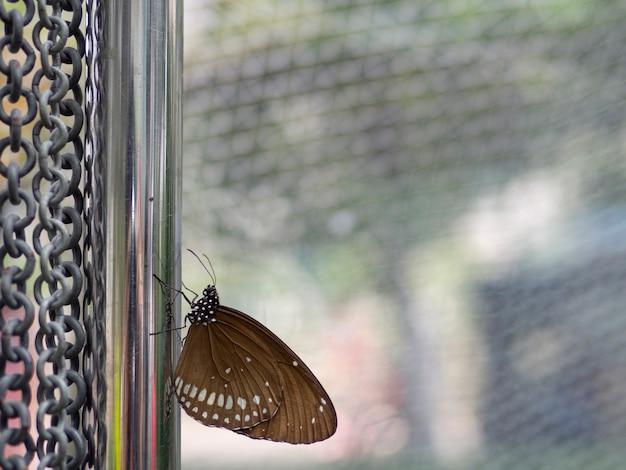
<point>234,373</point>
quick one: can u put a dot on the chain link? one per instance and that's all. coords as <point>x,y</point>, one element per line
<point>56,187</point>
<point>17,259</point>
<point>94,356</point>
<point>49,101</point>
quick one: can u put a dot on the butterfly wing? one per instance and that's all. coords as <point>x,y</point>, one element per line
<point>223,380</point>
<point>306,413</point>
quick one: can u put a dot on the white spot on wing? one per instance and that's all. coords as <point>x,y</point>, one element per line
<point>256,399</point>
<point>242,403</point>
<point>229,402</point>
<point>194,391</point>
<point>202,394</point>
<point>295,363</point>
<point>211,399</point>
<point>228,370</point>
<point>220,400</point>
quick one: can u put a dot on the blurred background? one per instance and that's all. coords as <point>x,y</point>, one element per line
<point>427,201</point>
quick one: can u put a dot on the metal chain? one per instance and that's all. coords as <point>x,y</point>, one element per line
<point>94,356</point>
<point>17,259</point>
<point>52,162</point>
<point>56,187</point>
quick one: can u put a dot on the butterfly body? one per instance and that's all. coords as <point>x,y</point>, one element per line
<point>235,373</point>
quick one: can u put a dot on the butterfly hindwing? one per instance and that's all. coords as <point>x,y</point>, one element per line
<point>219,383</point>
<point>306,413</point>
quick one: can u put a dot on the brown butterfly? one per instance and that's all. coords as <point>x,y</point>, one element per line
<point>235,373</point>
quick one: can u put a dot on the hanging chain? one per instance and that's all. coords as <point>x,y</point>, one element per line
<point>17,259</point>
<point>50,102</point>
<point>56,187</point>
<point>94,355</point>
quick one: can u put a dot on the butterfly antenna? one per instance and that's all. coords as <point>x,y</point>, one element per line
<point>211,274</point>
<point>214,275</point>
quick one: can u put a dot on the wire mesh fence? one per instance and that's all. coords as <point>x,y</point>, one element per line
<point>429,198</point>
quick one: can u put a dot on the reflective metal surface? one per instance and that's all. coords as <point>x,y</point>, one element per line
<point>142,71</point>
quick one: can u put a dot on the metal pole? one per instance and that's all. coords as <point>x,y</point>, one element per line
<point>142,95</point>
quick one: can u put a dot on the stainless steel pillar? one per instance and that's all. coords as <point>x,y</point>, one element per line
<point>141,73</point>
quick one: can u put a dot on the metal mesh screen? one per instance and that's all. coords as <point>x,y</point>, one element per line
<point>432,196</point>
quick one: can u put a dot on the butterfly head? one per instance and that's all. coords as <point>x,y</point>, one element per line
<point>203,309</point>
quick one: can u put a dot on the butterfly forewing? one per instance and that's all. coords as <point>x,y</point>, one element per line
<point>220,383</point>
<point>306,413</point>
